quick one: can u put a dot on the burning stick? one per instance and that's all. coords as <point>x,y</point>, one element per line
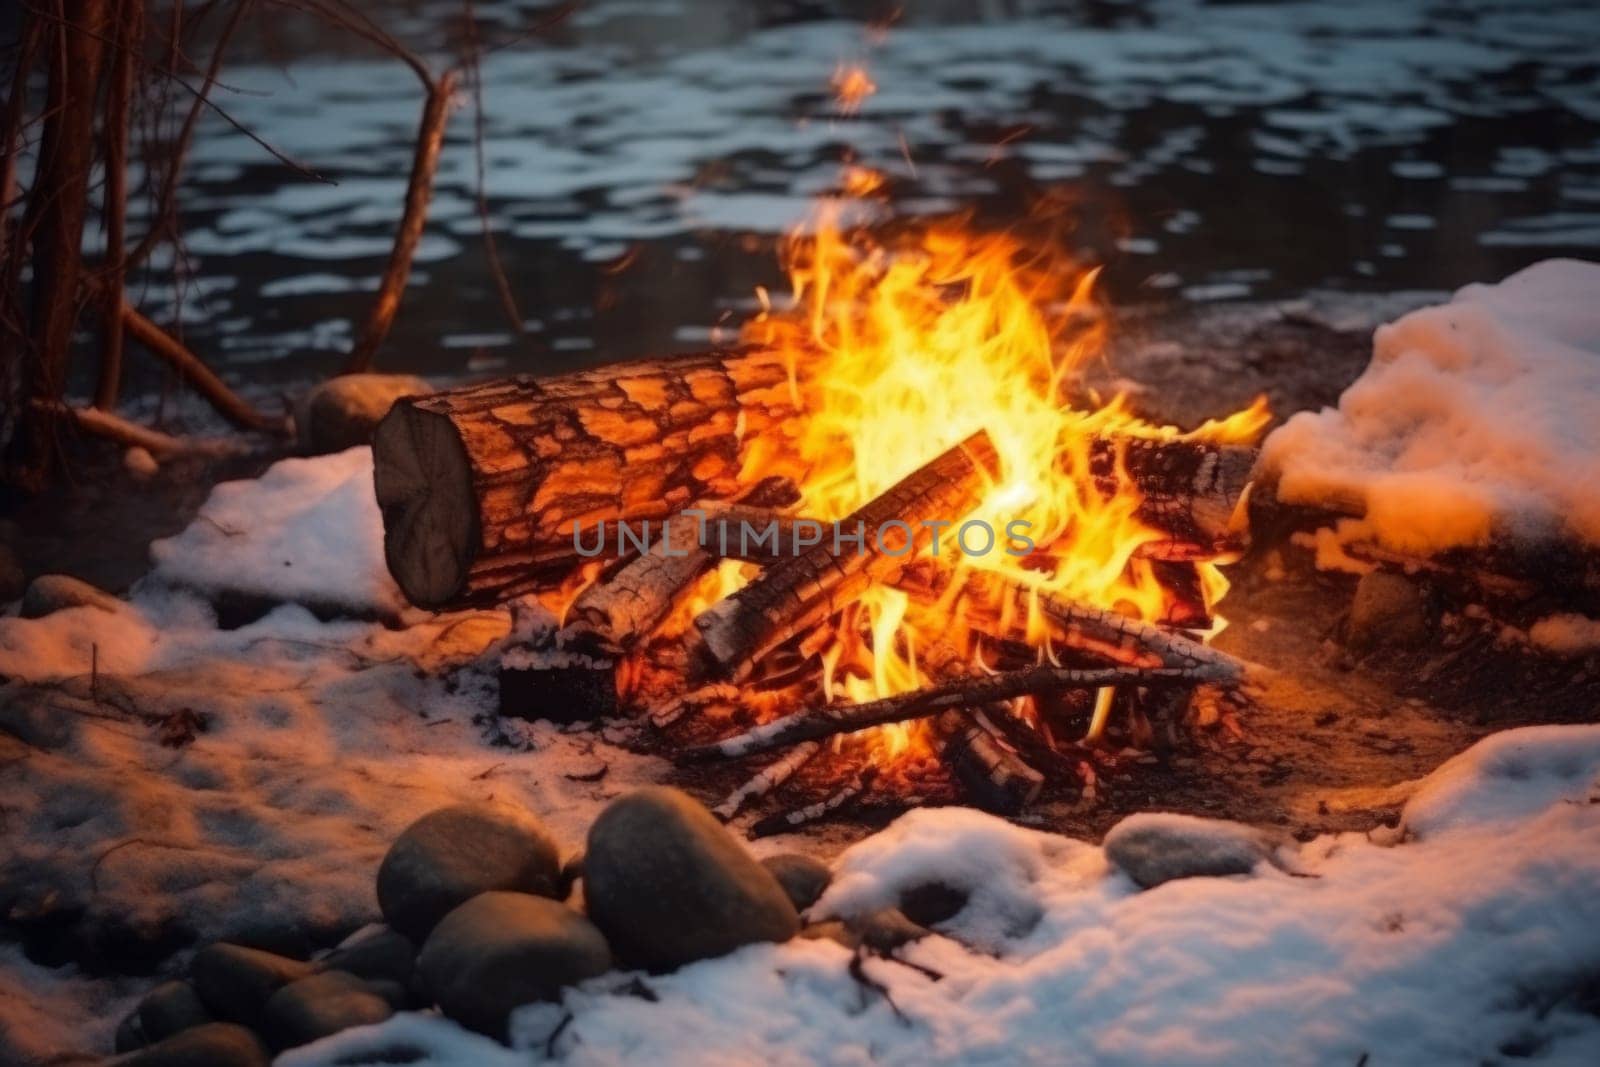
<point>797,593</point>
<point>826,721</point>
<point>770,778</point>
<point>1174,649</point>
<point>789,821</point>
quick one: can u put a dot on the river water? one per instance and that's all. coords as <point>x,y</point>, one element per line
<point>640,159</point>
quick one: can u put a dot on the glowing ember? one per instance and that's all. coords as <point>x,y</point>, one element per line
<point>897,352</point>
<point>851,87</point>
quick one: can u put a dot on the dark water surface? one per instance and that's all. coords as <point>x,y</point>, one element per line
<point>641,157</point>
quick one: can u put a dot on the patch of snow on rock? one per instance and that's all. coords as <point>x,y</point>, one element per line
<point>1477,417</point>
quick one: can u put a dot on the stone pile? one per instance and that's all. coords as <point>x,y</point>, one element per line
<point>482,916</point>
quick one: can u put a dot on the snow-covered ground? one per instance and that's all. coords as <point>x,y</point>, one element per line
<point>171,778</point>
<point>218,779</point>
<point>1469,935</point>
<point>1477,420</point>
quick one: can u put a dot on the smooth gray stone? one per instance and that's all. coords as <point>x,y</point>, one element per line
<point>320,1006</point>
<point>804,878</point>
<point>668,884</point>
<point>235,982</point>
<point>171,1008</point>
<point>207,1045</point>
<point>502,950</point>
<point>449,856</point>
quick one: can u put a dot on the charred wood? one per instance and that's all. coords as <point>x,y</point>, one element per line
<point>797,593</point>
<point>768,779</point>
<point>844,796</point>
<point>829,720</point>
<point>995,778</point>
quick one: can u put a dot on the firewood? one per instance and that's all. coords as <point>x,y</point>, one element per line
<point>849,793</point>
<point>481,487</point>
<point>1105,634</point>
<point>798,593</point>
<point>1189,489</point>
<point>767,779</point>
<point>829,720</point>
<point>582,659</point>
<point>707,695</point>
<point>1090,627</point>
<point>995,778</point>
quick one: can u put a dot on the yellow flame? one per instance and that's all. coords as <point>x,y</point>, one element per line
<point>900,350</point>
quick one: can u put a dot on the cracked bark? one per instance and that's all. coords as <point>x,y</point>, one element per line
<point>481,487</point>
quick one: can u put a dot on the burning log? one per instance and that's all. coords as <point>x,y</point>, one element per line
<point>481,487</point>
<point>574,667</point>
<point>801,591</point>
<point>1189,489</point>
<point>815,723</point>
<point>789,821</point>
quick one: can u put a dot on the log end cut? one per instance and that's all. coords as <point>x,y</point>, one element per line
<point>423,480</point>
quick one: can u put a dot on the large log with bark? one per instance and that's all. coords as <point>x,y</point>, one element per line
<point>481,487</point>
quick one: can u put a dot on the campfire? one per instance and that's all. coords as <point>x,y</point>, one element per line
<point>890,528</point>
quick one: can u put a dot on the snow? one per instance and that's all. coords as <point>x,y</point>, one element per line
<point>1471,939</point>
<point>307,531</point>
<point>1476,419</point>
<point>171,778</point>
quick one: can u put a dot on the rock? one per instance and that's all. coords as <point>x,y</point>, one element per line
<point>319,1006</point>
<point>502,950</point>
<point>130,1034</point>
<point>1389,611</point>
<point>1153,848</point>
<point>342,412</point>
<point>207,1045</point>
<point>376,954</point>
<point>281,937</point>
<point>449,856</point>
<point>235,982</point>
<point>668,884</point>
<point>171,1008</point>
<point>140,463</point>
<point>931,903</point>
<point>50,593</point>
<point>13,579</point>
<point>885,930</point>
<point>803,877</point>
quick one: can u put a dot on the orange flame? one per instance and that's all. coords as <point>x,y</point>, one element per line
<point>901,350</point>
<point>851,87</point>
